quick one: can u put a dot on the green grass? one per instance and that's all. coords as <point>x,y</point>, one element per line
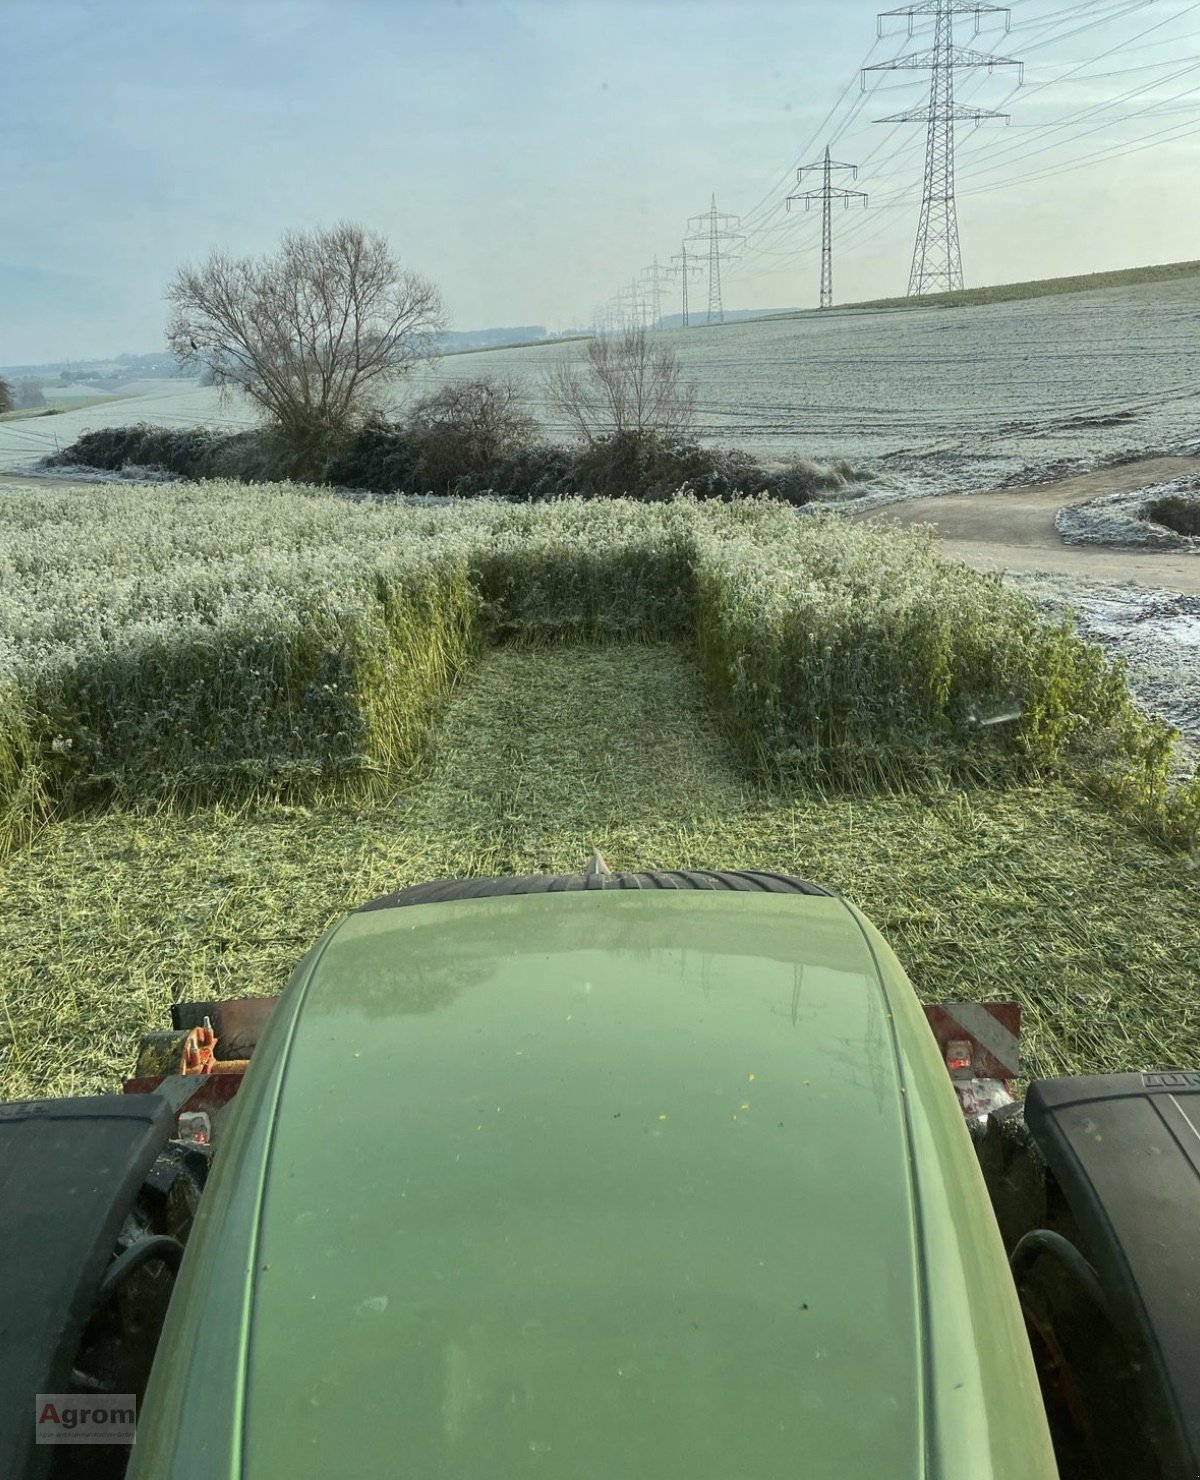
<point>1044,288</point>
<point>1032,891</point>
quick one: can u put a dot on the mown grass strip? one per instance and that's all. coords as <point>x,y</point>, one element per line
<point>1032,891</point>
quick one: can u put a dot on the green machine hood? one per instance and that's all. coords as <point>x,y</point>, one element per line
<point>596,1186</point>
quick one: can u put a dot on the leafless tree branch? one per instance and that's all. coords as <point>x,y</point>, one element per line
<point>627,383</point>
<point>313,333</point>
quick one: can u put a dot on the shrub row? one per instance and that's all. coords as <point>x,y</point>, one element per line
<point>212,641</point>
<point>388,458</point>
<point>195,453</point>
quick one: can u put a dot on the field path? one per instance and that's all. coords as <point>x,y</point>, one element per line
<point>47,480</point>
<point>549,752</point>
<point>1013,528</point>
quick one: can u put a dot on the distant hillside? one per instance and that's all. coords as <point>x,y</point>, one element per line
<point>699,315</point>
<point>113,374</point>
<point>113,371</point>
<point>458,341</point>
<point>1045,288</point>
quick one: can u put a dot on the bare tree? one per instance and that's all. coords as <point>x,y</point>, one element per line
<point>628,383</point>
<point>29,394</point>
<point>465,427</point>
<point>488,413</point>
<point>312,334</point>
<point>6,396</point>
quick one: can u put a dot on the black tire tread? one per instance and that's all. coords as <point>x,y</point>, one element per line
<point>745,881</point>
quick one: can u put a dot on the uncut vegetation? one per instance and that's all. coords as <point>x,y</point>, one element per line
<point>1165,517</point>
<point>217,643</point>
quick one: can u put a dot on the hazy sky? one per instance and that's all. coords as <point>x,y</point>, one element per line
<point>534,156</point>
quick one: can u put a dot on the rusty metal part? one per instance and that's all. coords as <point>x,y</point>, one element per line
<point>237,1023</point>
<point>192,1052</point>
<point>189,1052</point>
<point>188,1067</point>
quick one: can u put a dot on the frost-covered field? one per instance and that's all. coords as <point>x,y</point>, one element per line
<point>174,403</point>
<point>937,398</point>
<point>219,637</point>
<point>1127,521</point>
<point>931,399</point>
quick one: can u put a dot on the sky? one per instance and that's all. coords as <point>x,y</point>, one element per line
<point>534,157</point>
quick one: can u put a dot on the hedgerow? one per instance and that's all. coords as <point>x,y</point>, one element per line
<point>422,456</point>
<point>218,642</point>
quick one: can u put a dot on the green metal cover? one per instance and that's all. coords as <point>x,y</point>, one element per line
<point>597,1186</point>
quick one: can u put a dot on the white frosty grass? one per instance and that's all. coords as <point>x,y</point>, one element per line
<point>1124,521</point>
<point>80,473</point>
<point>935,400</point>
<point>1156,634</point>
<point>213,639</point>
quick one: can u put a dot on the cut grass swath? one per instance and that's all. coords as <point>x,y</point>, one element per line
<point>1032,891</point>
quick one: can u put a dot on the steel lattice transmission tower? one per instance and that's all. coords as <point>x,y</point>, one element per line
<point>826,195</point>
<point>654,278</point>
<point>937,260</point>
<point>685,271</point>
<point>632,307</point>
<point>720,231</point>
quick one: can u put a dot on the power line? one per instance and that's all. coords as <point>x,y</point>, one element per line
<point>1037,28</point>
<point>1174,134</point>
<point>654,277</point>
<point>758,233</point>
<point>857,232</point>
<point>631,306</point>
<point>772,196</point>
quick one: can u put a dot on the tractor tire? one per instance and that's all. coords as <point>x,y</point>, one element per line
<point>745,881</point>
<point>1088,1384</point>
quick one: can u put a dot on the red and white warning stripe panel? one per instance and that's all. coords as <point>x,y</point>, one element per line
<point>978,1040</point>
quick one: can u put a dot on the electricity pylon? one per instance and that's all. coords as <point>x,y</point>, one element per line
<point>711,228</point>
<point>631,305</point>
<point>683,272</point>
<point>826,196</point>
<point>937,259</point>
<point>654,277</point>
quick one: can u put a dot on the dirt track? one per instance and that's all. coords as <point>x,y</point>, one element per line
<point>41,480</point>
<point>1013,529</point>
